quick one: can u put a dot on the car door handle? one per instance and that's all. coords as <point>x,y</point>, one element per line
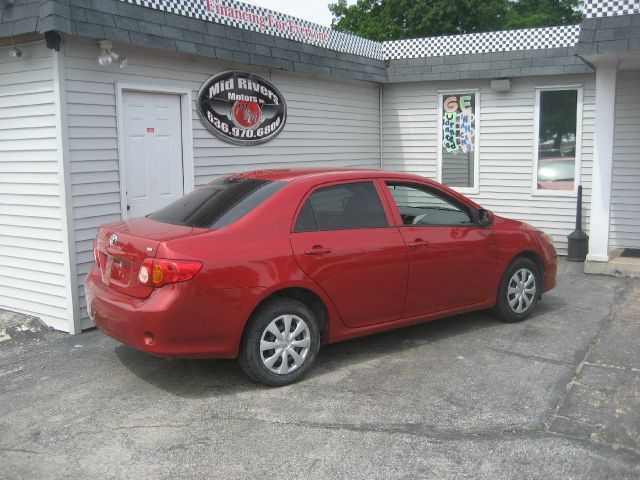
<point>317,250</point>
<point>418,242</point>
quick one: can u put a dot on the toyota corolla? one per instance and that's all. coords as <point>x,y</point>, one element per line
<point>267,266</point>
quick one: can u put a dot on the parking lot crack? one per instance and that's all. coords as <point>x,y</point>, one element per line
<point>613,367</point>
<point>621,295</point>
<point>530,357</point>
<point>20,450</point>
<point>133,427</point>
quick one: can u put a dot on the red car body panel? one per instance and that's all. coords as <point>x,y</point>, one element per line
<point>371,280</point>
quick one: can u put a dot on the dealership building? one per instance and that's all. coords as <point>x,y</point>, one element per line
<point>112,108</point>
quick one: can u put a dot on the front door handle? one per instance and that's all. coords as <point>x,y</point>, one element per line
<point>418,242</point>
<point>317,250</point>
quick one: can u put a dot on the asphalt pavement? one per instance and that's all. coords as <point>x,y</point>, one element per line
<point>557,396</point>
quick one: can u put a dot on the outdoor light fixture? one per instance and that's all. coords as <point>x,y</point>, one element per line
<point>501,85</point>
<point>15,51</point>
<point>108,56</point>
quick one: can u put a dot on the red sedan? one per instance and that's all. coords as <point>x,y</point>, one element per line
<point>266,266</point>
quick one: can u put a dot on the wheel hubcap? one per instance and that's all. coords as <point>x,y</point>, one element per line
<point>522,290</point>
<point>284,344</point>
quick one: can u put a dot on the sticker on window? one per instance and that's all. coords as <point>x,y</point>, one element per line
<point>458,139</point>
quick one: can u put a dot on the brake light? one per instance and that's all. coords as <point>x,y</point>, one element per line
<point>96,257</point>
<point>156,272</point>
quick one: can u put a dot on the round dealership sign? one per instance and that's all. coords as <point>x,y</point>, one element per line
<point>241,108</point>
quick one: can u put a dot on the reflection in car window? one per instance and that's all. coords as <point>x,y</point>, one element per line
<point>419,206</point>
<point>340,207</point>
<point>219,203</point>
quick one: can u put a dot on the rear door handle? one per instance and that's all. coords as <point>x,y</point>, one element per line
<point>418,242</point>
<point>317,250</point>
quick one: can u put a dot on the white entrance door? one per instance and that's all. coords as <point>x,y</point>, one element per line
<point>152,151</point>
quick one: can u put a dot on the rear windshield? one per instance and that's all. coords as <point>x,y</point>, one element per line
<point>219,203</point>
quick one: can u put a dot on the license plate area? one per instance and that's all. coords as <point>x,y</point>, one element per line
<point>117,271</point>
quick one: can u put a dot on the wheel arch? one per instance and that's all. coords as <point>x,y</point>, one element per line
<point>304,295</point>
<point>535,258</point>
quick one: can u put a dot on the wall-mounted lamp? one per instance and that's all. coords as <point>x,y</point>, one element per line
<point>108,56</point>
<point>501,85</point>
<point>15,51</point>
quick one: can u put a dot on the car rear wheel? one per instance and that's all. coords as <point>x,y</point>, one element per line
<point>281,343</point>
<point>519,291</point>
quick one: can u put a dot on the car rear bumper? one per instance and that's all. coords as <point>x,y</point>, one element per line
<point>175,321</point>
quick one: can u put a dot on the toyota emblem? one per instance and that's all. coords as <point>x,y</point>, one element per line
<point>113,239</point>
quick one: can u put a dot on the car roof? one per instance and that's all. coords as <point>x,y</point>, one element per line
<point>322,175</point>
<point>325,174</point>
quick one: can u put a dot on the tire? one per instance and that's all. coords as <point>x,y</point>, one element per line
<point>518,294</point>
<point>266,365</point>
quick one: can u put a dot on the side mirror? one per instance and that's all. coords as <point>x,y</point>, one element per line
<point>485,218</point>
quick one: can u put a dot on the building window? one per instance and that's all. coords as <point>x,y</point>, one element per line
<point>557,140</point>
<point>458,152</point>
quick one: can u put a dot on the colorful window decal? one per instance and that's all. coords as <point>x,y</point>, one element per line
<point>458,123</point>
<point>459,145</point>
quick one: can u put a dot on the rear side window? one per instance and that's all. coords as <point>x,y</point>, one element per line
<point>341,207</point>
<point>219,203</point>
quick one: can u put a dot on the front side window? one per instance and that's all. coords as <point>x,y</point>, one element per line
<point>420,206</point>
<point>341,207</point>
<point>556,140</point>
<point>458,152</point>
<point>219,203</point>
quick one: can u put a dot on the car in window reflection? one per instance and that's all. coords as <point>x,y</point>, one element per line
<point>555,171</point>
<point>267,266</point>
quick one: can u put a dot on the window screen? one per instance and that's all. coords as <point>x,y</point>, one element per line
<point>340,207</point>
<point>419,206</point>
<point>557,126</point>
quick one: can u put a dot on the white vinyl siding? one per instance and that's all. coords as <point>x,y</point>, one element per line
<point>32,266</point>
<point>505,145</point>
<point>625,182</point>
<point>330,123</point>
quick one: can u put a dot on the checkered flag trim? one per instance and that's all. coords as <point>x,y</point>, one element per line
<point>611,8</point>
<point>502,41</point>
<point>257,19</point>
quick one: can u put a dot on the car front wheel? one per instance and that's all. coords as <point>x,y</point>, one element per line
<point>519,291</point>
<point>281,343</point>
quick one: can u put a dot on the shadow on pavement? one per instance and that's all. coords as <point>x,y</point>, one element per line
<point>191,378</point>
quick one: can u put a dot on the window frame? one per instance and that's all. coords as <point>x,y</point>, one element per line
<point>465,207</point>
<point>381,196</point>
<point>475,188</point>
<point>535,191</point>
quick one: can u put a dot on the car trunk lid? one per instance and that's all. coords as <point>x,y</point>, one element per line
<point>122,247</point>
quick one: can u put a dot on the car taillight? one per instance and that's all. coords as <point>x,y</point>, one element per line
<point>96,257</point>
<point>156,272</point>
